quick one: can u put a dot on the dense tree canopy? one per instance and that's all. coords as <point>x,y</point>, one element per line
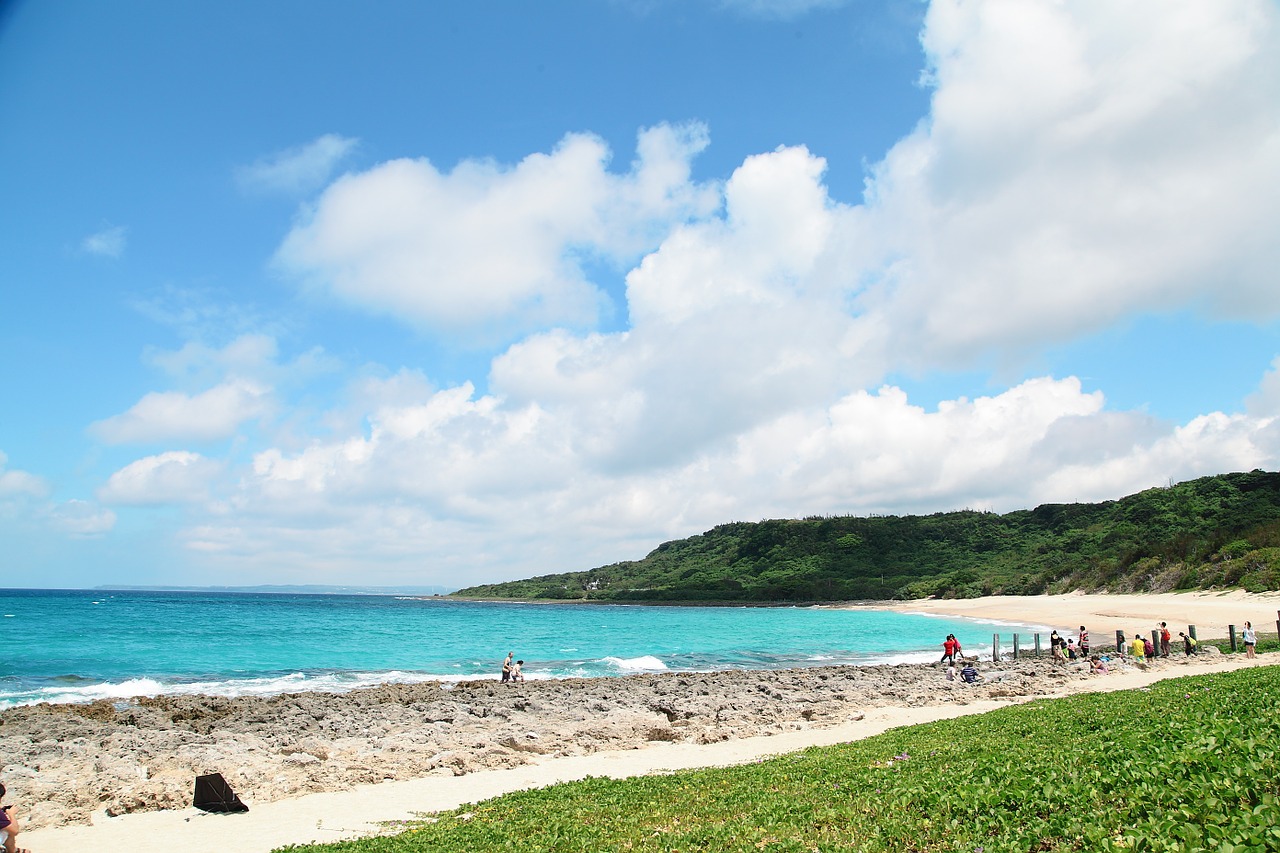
<point>1210,532</point>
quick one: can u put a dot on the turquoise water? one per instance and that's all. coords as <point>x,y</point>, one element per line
<point>81,645</point>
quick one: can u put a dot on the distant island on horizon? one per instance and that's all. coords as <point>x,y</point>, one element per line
<point>297,589</point>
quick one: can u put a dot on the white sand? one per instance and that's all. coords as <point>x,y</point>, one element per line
<point>1103,615</point>
<point>348,814</point>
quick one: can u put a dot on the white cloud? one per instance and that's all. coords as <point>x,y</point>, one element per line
<point>1081,162</point>
<point>81,519</point>
<point>299,170</point>
<point>459,488</point>
<point>488,249</point>
<point>176,416</point>
<point>174,477</point>
<point>109,242</point>
<point>16,484</point>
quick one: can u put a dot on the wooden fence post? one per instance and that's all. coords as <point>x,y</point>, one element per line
<point>1015,646</point>
<point>1120,642</point>
<point>1231,632</point>
<point>995,647</point>
<point>1038,634</point>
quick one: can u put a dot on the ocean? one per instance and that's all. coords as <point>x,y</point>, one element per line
<point>85,645</point>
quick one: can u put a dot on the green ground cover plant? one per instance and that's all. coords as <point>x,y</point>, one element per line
<point>1187,765</point>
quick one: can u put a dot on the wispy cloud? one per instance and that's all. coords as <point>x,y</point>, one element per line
<point>297,170</point>
<point>176,416</point>
<point>107,243</point>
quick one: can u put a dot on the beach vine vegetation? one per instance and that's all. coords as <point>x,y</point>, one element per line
<point>1213,532</point>
<point>1187,765</point>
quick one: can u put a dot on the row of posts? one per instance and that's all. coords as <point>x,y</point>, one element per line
<point>1120,640</point>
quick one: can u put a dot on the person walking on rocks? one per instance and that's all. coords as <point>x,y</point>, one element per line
<point>506,667</point>
<point>950,649</point>
<point>1250,639</point>
<point>1188,643</point>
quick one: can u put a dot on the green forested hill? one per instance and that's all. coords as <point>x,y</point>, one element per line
<point>1210,532</point>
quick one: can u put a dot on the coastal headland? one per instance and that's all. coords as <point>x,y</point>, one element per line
<point>317,766</point>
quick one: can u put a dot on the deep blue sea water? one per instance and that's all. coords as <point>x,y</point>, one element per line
<point>82,645</point>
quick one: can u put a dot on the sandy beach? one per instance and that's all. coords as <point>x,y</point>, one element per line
<point>1210,612</point>
<point>325,767</point>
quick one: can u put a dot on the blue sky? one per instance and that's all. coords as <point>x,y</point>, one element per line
<point>406,293</point>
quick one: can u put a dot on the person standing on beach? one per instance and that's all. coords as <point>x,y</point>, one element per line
<point>1138,648</point>
<point>1055,647</point>
<point>1083,642</point>
<point>1250,639</point>
<point>506,667</point>
<point>1165,638</point>
<point>950,648</point>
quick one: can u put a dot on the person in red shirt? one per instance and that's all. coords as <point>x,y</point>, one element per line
<point>950,649</point>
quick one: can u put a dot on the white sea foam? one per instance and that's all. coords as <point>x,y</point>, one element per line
<point>644,663</point>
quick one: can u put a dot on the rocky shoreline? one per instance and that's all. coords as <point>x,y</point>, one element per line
<point>63,763</point>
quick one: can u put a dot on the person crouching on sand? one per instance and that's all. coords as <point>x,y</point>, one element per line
<point>516,673</point>
<point>9,828</point>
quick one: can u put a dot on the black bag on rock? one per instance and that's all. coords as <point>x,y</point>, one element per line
<point>213,794</point>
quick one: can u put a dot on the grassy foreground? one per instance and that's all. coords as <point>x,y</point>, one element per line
<point>1189,764</point>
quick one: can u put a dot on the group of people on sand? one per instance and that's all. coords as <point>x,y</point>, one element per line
<point>9,829</point>
<point>950,655</point>
<point>1148,650</point>
<point>1064,649</point>
<point>512,672</point>
<point>1144,649</point>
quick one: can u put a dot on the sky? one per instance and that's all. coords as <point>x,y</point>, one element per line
<point>401,293</point>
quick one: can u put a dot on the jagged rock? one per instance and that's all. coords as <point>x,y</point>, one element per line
<point>68,762</point>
